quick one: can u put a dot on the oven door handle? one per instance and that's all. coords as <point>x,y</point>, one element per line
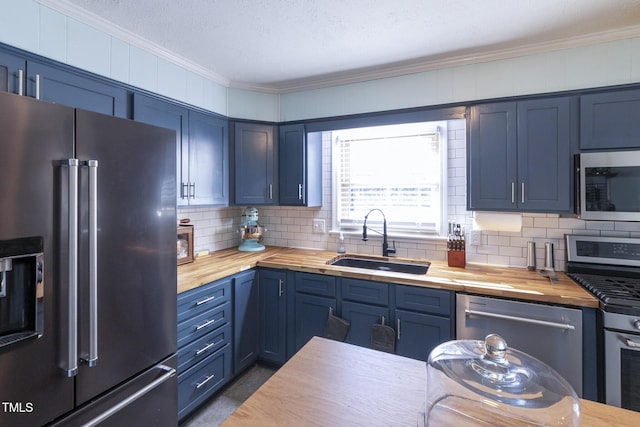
<point>564,326</point>
<point>631,343</point>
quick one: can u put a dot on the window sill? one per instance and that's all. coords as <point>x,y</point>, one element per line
<point>392,236</point>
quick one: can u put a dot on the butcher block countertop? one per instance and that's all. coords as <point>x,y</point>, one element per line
<point>516,283</point>
<point>330,383</point>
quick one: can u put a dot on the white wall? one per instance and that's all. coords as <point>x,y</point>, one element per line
<point>28,25</point>
<point>604,64</point>
<point>87,43</point>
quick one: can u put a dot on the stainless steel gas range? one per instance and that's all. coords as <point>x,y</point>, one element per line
<point>609,268</point>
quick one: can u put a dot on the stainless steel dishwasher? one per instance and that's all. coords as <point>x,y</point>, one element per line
<point>550,333</point>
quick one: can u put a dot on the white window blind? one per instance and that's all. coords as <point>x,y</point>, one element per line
<point>399,169</point>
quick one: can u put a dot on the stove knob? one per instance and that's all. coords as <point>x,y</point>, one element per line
<point>636,324</point>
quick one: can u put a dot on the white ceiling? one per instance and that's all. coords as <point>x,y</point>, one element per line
<point>282,45</point>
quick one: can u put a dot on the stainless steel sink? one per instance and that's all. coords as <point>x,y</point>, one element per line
<point>381,264</point>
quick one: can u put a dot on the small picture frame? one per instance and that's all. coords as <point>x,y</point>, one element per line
<point>185,244</point>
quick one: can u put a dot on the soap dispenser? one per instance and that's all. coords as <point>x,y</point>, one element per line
<point>341,244</point>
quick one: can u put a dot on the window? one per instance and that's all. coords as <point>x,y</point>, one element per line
<point>399,169</point>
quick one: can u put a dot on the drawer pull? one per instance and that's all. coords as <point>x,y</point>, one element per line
<point>205,324</point>
<point>205,348</point>
<point>206,380</point>
<point>204,301</point>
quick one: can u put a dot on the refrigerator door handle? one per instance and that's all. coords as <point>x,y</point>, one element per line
<point>92,359</point>
<point>71,363</point>
<point>169,372</point>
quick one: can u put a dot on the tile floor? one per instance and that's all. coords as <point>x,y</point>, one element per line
<point>214,412</point>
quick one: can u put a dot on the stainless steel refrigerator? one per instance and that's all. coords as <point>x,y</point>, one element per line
<point>87,268</point>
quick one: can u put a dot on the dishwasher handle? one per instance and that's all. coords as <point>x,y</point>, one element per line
<point>564,326</point>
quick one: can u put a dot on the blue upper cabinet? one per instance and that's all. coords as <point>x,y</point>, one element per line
<point>255,165</point>
<point>519,156</point>
<point>208,160</point>
<point>202,145</point>
<point>491,156</point>
<point>300,171</point>
<point>61,85</point>
<point>165,114</point>
<point>12,68</point>
<point>544,155</point>
<point>610,120</point>
<point>77,90</point>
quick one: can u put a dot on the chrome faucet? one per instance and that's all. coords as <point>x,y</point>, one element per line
<point>386,250</point>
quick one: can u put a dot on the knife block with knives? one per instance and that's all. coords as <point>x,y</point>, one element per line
<point>456,253</point>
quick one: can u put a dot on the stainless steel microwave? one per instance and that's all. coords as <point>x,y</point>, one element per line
<point>609,186</point>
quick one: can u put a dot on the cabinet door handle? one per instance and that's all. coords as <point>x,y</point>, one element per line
<point>513,192</point>
<point>204,301</point>
<point>37,86</point>
<point>192,190</point>
<point>522,194</point>
<point>205,324</point>
<point>398,329</point>
<point>206,380</point>
<point>299,191</point>
<point>280,288</point>
<point>21,82</point>
<point>270,191</point>
<point>184,190</point>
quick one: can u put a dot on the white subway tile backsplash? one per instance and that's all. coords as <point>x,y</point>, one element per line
<point>545,222</point>
<point>627,226</point>
<point>600,225</point>
<point>534,232</point>
<point>292,226</point>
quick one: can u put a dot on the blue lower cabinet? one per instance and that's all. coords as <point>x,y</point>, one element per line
<point>203,323</point>
<point>245,320</point>
<point>198,350</point>
<point>311,314</point>
<point>203,299</point>
<point>272,316</point>
<point>315,284</point>
<point>205,329</point>
<point>203,380</point>
<point>362,318</point>
<point>418,333</point>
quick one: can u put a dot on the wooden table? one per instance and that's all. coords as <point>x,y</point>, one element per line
<point>329,383</point>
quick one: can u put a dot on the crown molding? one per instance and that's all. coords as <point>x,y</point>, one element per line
<point>72,11</point>
<point>340,78</point>
<point>414,67</point>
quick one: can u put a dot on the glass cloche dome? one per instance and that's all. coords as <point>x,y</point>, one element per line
<point>484,383</point>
